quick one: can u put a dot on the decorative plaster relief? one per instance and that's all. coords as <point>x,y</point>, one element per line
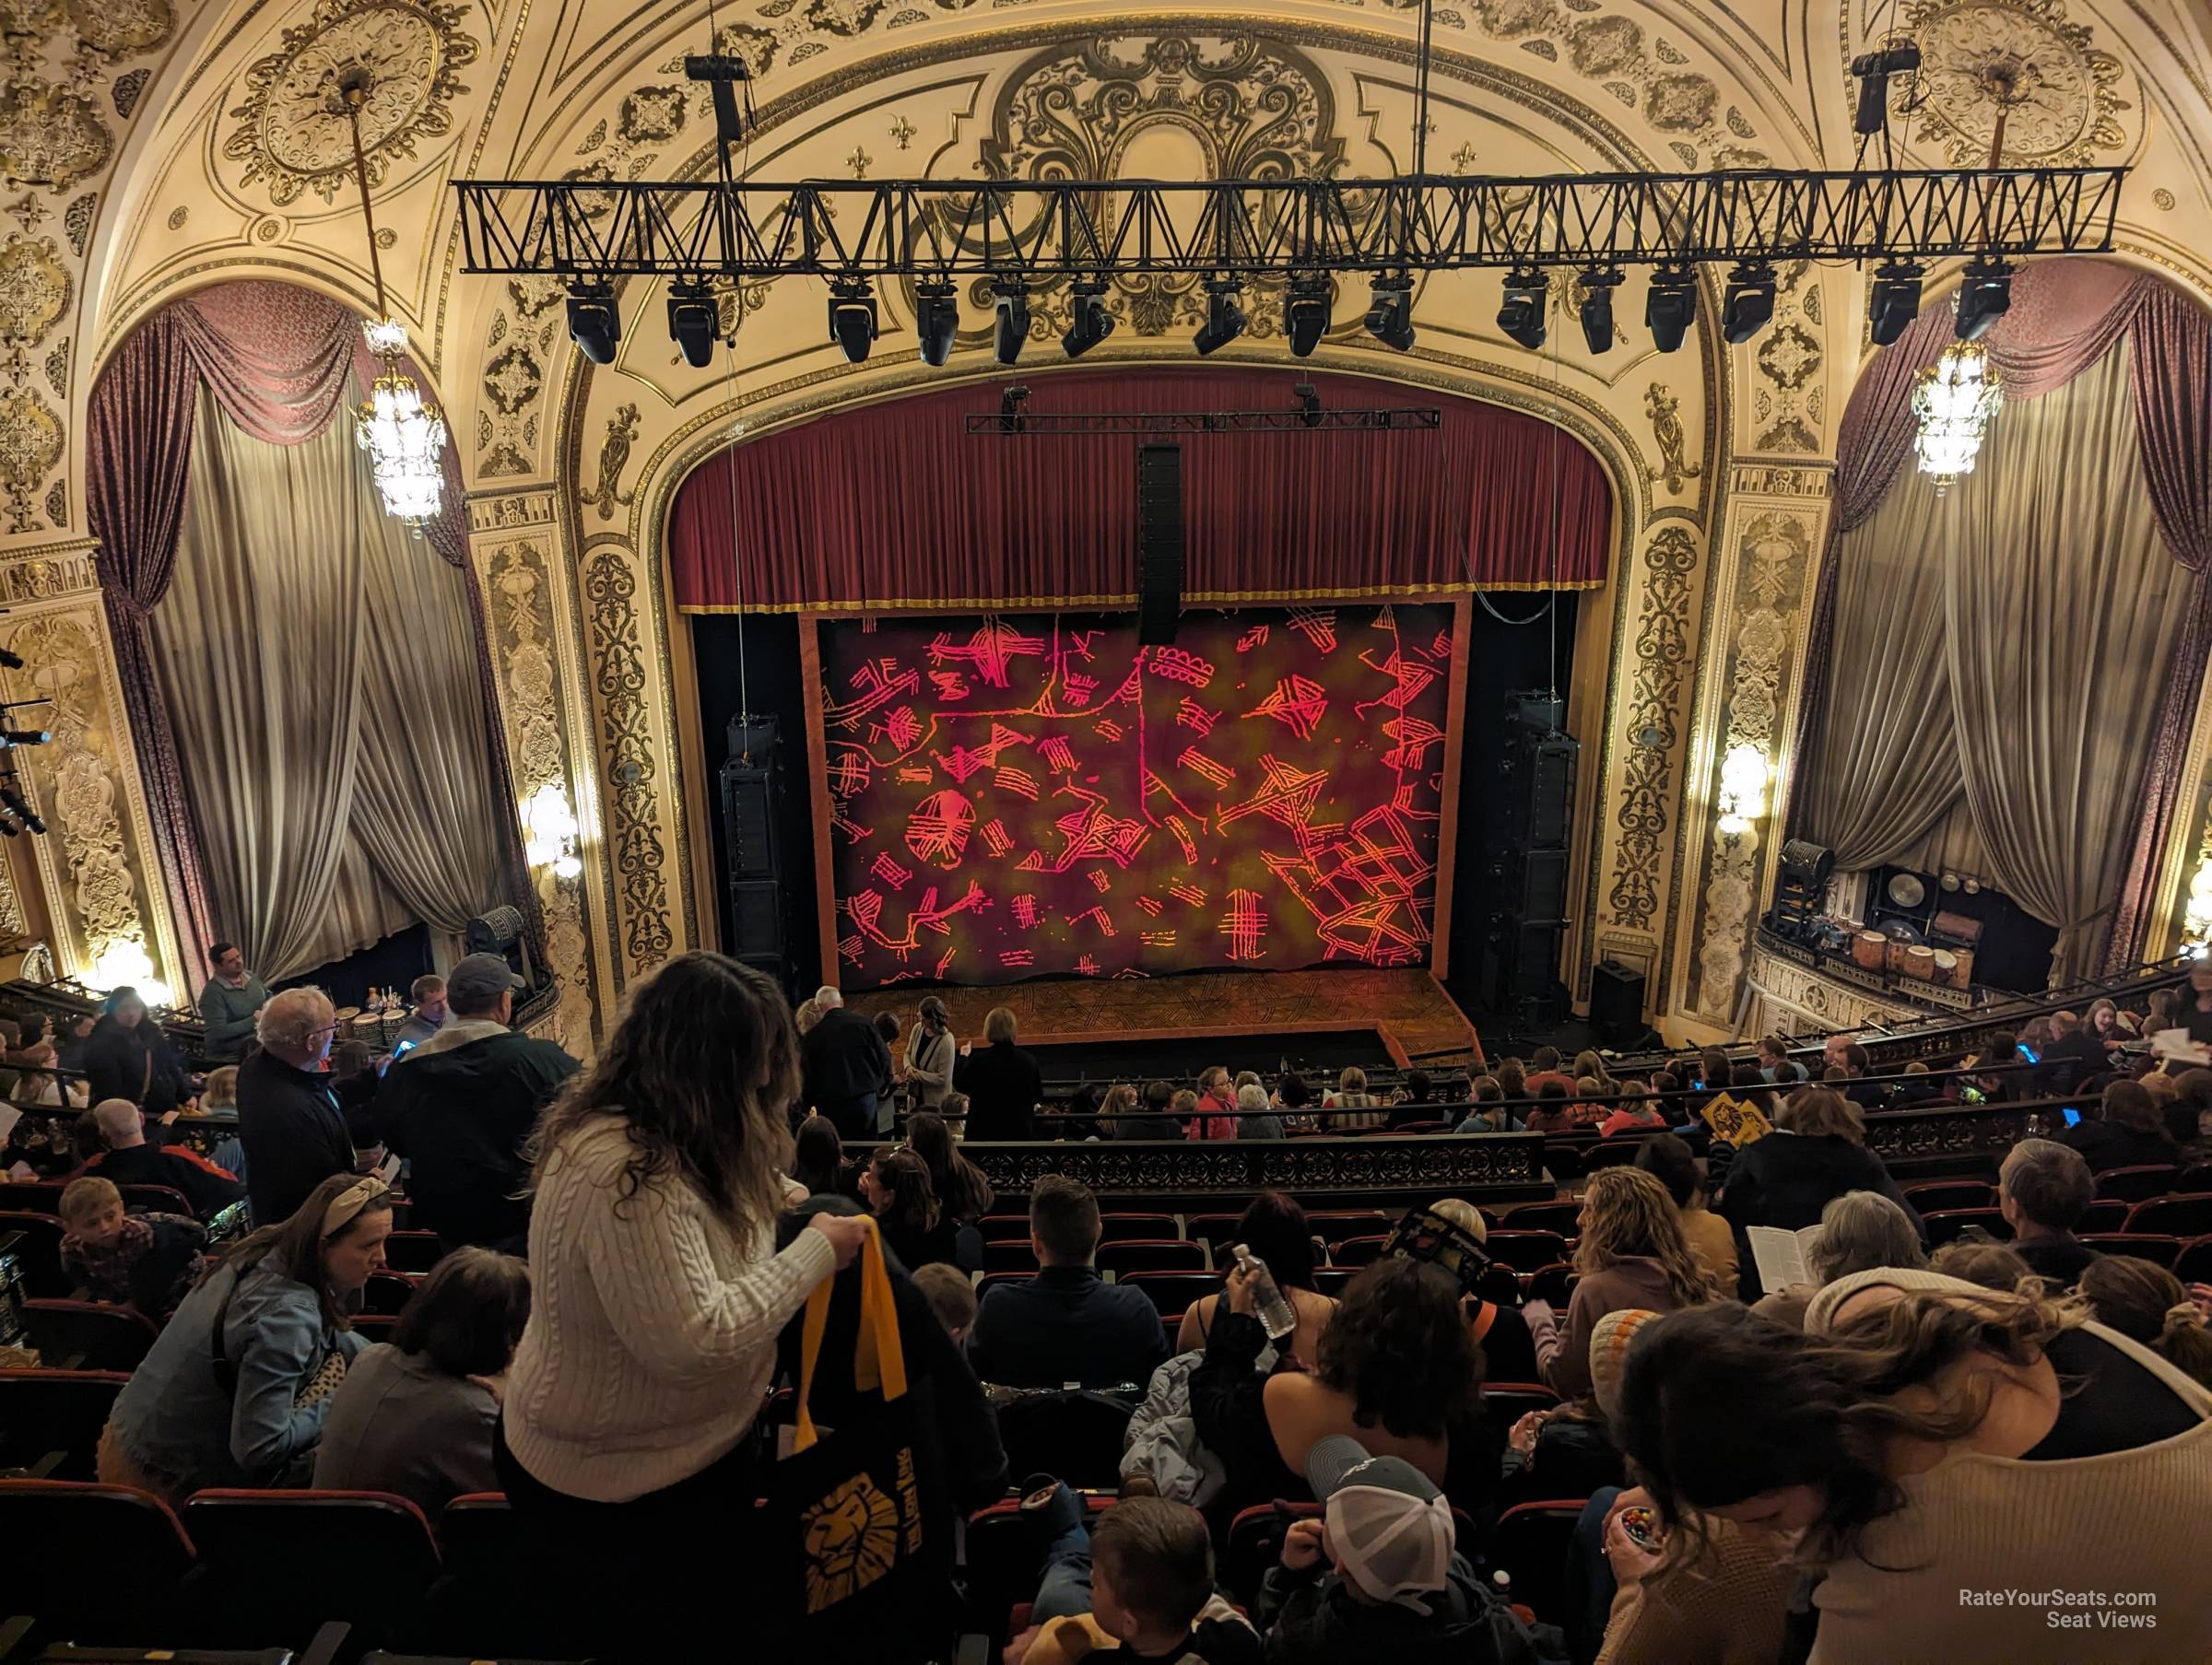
<point>629,756</point>
<point>2059,95</point>
<point>1670,560</point>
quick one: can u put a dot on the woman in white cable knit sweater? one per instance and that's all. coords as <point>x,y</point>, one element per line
<point>658,1297</point>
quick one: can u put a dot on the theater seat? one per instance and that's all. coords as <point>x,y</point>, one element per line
<point>1508,1402</point>
<point>1005,1229</point>
<point>2107,1213</point>
<point>1335,1227</point>
<point>1617,1152</point>
<point>43,1410</point>
<point>89,1335</point>
<point>1356,1252</point>
<point>413,1251</point>
<point>2176,1215</point>
<point>1253,1543</point>
<point>26,1641</point>
<point>1531,1542</point>
<point>95,1563</point>
<point>1554,1283</point>
<point>489,1595</point>
<point>1009,1257</point>
<point>364,1557</point>
<point>1174,1292</point>
<point>1946,1225</point>
<point>2137,1184</point>
<point>2143,1246</point>
<point>1563,1159</point>
<point>38,1253</point>
<point>1004,1556</point>
<point>1151,1255</point>
<point>1074,1434</point>
<point>2193,1264</point>
<point>37,1197</point>
<point>1122,1229</point>
<point>990,1280</point>
<point>1217,1231</point>
<point>1331,1281</point>
<point>388,1293</point>
<point>1527,1250</point>
<point>1940,1195</point>
<point>155,1200</point>
<point>1566,1219</point>
<point>376,1326</point>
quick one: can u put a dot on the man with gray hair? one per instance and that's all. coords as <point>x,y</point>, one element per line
<point>130,1160</point>
<point>289,1118</point>
<point>846,1069</point>
<point>2043,1189</point>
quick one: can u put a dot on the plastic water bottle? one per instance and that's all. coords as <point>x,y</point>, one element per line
<point>1268,1305</point>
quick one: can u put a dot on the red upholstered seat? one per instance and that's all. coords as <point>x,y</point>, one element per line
<point>1934,1196</point>
<point>364,1557</point>
<point>39,1252</point>
<point>97,1563</point>
<point>1151,1255</point>
<point>1527,1250</point>
<point>413,1251</point>
<point>1150,1228</point>
<point>1531,1542</point>
<point>1174,1292</point>
<point>43,1410</point>
<point>1562,1217</point>
<point>155,1200</point>
<point>2143,1245</point>
<point>2173,1215</point>
<point>1947,1224</point>
<point>89,1335</point>
<point>2135,1184</point>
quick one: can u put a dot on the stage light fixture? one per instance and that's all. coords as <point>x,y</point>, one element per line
<point>936,320</point>
<point>1984,295</point>
<point>692,323</point>
<point>1089,323</point>
<point>11,738</point>
<point>1874,70</point>
<point>1309,404</point>
<point>1010,321</point>
<point>1670,305</point>
<point>1390,312</point>
<point>724,74</point>
<point>1598,283</point>
<point>21,810</point>
<point>1010,403</point>
<point>853,318</point>
<point>1749,302</point>
<point>595,322</point>
<point>1306,312</point>
<point>1522,315</point>
<point>1224,318</point>
<point>1893,301</point>
<point>14,661</point>
<point>8,829</point>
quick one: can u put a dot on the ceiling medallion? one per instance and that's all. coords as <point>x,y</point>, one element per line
<point>50,136</point>
<point>293,130</point>
<point>2021,58</point>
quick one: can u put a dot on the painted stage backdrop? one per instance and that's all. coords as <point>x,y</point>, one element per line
<point>1032,793</point>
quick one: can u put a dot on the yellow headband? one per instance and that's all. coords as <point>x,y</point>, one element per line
<point>349,1203</point>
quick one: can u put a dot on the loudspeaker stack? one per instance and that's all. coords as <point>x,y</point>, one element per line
<point>1530,822</point>
<point>752,804</point>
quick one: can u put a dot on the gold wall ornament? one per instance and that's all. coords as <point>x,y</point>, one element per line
<point>50,136</point>
<point>121,28</point>
<point>628,756</point>
<point>614,457</point>
<point>1670,563</point>
<point>2059,95</point>
<point>292,130</point>
<point>1665,411</point>
<point>31,448</point>
<point>1786,391</point>
<point>35,289</point>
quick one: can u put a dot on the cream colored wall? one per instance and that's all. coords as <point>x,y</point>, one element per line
<point>223,167</point>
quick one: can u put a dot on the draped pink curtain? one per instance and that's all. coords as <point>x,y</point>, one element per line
<point>897,503</point>
<point>276,358</point>
<point>2064,316</point>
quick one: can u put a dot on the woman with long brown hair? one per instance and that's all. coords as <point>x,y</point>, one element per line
<point>895,1187</point>
<point>1632,1254</point>
<point>962,1191</point>
<point>658,1295</point>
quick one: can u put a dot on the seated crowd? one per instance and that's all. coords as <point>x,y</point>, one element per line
<point>686,1337</point>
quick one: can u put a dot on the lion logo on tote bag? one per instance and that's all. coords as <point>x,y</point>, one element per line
<point>852,1540</point>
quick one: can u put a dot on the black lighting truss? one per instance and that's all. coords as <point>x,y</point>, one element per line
<point>1024,421</point>
<point>1035,231</point>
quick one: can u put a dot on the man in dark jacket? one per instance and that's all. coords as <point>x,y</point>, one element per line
<point>847,1069</point>
<point>459,1107</point>
<point>289,1118</point>
<point>1067,1324</point>
<point>129,1160</point>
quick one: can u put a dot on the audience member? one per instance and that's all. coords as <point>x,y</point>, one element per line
<point>1139,1586</point>
<point>1351,1094</point>
<point>1499,1331</point>
<point>431,1010</point>
<point>1544,1070</point>
<point>895,1188</point>
<point>1212,1114</point>
<point>1397,1368</point>
<point>818,1163</point>
<point>128,1159</point>
<point>221,1090</point>
<point>1490,1114</point>
<point>1632,1112</point>
<point>143,1261</point>
<point>807,1013</point>
<point>289,1118</point>
<point>1588,1064</point>
<point>2103,1025</point>
<point>1156,1119</point>
<point>1909,1376</point>
<point>460,1107</point>
<point>931,1053</point>
<point>1067,1324</point>
<point>2074,1054</point>
<point>1632,1254</point>
<point>230,999</point>
<point>1295,1099</point>
<point>1379,1575</point>
<point>2150,1306</point>
<point>1977,1259</point>
<point>658,1295</point>
<point>962,1191</point>
<point>1859,1231</point>
<point>2188,1119</point>
<point>846,1069</point>
<point>950,1295</point>
<point>236,1390</point>
<point>1003,1083</point>
<point>1775,1064</point>
<point>1816,1153</point>
<point>1409,1103</point>
<point>1667,1158</point>
<point>1256,1119</point>
<point>1591,1104</point>
<point>1555,1107</point>
<point>1275,1228</point>
<point>1512,1080</point>
<point>129,1057</point>
<point>2126,1131</point>
<point>417,1415</point>
<point>2043,1189</point>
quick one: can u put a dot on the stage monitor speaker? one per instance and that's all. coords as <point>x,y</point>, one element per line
<point>1617,1003</point>
<point>1159,543</point>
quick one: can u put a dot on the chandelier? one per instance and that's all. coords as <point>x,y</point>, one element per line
<point>1954,400</point>
<point>401,430</point>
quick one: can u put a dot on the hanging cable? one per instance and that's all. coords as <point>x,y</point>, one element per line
<point>730,371</point>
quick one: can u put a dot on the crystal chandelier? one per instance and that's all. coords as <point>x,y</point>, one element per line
<point>1954,400</point>
<point>401,430</point>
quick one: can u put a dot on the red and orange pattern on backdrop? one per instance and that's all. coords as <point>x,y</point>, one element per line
<point>1023,794</point>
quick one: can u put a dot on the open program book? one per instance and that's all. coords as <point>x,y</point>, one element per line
<point>1780,1255</point>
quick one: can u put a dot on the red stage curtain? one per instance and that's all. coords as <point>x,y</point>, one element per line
<point>897,504</point>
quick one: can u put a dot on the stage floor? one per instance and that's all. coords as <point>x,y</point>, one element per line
<point>1417,1021</point>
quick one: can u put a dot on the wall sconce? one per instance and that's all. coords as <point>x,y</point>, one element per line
<point>124,963</point>
<point>549,830</point>
<point>1743,788</point>
<point>2196,917</point>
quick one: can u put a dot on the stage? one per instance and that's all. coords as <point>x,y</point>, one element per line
<point>1416,1021</point>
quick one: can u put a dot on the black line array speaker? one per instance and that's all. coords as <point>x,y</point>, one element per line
<point>1617,1003</point>
<point>752,790</point>
<point>1159,543</point>
<point>1531,826</point>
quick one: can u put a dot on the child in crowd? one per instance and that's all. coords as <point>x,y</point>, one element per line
<point>1141,1585</point>
<point>951,1297</point>
<point>145,1260</point>
<point>1379,1577</point>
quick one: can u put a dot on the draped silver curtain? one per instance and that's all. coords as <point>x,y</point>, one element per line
<point>1999,655</point>
<point>319,669</point>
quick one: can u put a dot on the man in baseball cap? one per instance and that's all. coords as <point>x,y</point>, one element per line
<point>1381,1570</point>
